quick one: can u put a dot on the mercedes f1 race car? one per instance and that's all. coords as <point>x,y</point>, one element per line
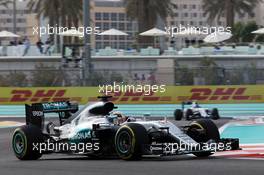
<point>195,112</point>
<point>97,131</point>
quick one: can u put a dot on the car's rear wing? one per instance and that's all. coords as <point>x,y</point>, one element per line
<point>35,112</point>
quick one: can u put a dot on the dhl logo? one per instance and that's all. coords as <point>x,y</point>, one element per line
<point>40,95</point>
<point>221,94</point>
<point>214,95</point>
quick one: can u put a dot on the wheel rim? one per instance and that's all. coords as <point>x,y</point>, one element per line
<point>19,143</point>
<point>124,142</point>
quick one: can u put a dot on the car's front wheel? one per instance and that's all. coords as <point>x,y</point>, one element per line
<point>202,131</point>
<point>189,114</point>
<point>215,114</point>
<point>130,141</point>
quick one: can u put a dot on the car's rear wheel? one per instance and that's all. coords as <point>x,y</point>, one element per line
<point>178,114</point>
<point>202,131</point>
<point>130,141</point>
<point>23,141</point>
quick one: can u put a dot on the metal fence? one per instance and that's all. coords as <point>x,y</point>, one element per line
<point>219,76</point>
<point>179,76</point>
<point>73,77</point>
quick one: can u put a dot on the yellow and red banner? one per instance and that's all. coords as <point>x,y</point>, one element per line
<point>172,95</point>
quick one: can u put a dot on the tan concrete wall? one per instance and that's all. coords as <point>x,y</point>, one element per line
<point>32,21</point>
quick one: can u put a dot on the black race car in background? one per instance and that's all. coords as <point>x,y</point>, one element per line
<point>195,111</point>
<point>109,133</point>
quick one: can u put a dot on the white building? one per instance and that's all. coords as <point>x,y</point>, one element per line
<point>107,14</point>
<point>6,17</point>
<point>190,12</point>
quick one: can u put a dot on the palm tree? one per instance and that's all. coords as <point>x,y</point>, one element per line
<point>66,13</point>
<point>243,32</point>
<point>71,12</point>
<point>228,8</point>
<point>147,12</point>
<point>46,8</point>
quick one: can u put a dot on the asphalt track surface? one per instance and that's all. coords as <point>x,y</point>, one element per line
<point>64,164</point>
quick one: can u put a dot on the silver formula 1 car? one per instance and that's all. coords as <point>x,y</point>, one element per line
<point>195,111</point>
<point>97,131</point>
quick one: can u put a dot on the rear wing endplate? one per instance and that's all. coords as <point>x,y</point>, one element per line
<point>35,112</point>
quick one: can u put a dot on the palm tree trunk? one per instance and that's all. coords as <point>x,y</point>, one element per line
<point>75,22</point>
<point>230,15</point>
<point>141,21</point>
<point>143,24</point>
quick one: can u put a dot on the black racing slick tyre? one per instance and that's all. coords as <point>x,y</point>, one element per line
<point>215,114</point>
<point>202,131</point>
<point>130,141</point>
<point>23,141</point>
<point>178,114</point>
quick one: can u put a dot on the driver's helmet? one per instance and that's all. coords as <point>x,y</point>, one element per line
<point>195,105</point>
<point>121,118</point>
